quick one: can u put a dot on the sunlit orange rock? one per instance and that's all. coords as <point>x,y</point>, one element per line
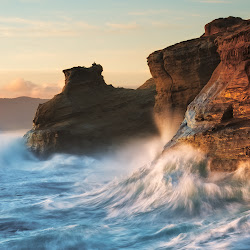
<point>218,120</point>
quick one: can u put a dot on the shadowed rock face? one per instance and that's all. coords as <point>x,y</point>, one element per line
<point>149,84</point>
<point>89,116</point>
<point>181,71</point>
<point>221,25</point>
<point>218,120</point>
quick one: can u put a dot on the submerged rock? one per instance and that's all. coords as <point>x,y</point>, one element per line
<point>218,119</point>
<point>89,116</point>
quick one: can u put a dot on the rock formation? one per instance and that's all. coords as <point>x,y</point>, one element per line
<point>89,116</point>
<point>209,74</point>
<point>218,120</point>
<point>182,70</point>
<point>149,84</point>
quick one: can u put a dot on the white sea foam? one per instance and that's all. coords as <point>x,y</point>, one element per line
<point>132,199</point>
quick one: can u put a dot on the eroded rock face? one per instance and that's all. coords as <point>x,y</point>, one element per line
<point>218,120</point>
<point>181,71</point>
<point>149,84</point>
<point>89,116</point>
<point>221,25</point>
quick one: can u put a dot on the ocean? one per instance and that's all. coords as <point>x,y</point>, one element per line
<point>134,198</point>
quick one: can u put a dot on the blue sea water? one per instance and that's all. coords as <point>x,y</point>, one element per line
<point>122,200</point>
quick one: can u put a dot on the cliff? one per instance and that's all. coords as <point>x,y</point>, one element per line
<point>182,70</point>
<point>149,84</point>
<point>209,74</point>
<point>89,116</point>
<point>218,120</point>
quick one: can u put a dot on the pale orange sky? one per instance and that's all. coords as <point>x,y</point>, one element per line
<point>40,38</point>
<point>45,83</point>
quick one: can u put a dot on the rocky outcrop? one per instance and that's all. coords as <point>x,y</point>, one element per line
<point>149,84</point>
<point>221,25</point>
<point>182,70</point>
<point>89,116</point>
<point>218,120</point>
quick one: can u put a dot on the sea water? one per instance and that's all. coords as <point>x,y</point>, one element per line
<point>130,199</point>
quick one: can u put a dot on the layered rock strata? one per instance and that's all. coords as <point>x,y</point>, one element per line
<point>218,120</point>
<point>89,116</point>
<point>149,84</point>
<point>180,71</point>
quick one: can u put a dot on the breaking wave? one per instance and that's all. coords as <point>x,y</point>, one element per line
<point>128,200</point>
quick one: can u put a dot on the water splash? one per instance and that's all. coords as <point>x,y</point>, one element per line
<point>124,200</point>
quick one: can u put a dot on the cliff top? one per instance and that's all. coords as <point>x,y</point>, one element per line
<point>222,25</point>
<point>85,77</point>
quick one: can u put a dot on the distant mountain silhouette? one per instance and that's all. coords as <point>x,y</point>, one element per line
<point>18,113</point>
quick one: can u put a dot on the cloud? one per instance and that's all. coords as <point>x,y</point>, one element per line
<point>29,1</point>
<point>19,27</point>
<point>66,27</point>
<point>213,1</point>
<point>148,12</point>
<point>164,25</point>
<point>21,87</point>
<point>122,26</point>
<point>196,15</point>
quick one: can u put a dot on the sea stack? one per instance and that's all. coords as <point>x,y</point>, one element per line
<point>91,117</point>
<point>208,77</point>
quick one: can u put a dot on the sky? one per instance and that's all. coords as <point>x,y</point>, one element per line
<point>40,38</point>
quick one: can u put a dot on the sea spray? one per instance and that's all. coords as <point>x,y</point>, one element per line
<point>80,202</point>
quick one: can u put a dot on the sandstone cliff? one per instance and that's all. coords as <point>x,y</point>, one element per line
<point>182,70</point>
<point>89,116</point>
<point>218,120</point>
<point>210,74</point>
<point>149,84</point>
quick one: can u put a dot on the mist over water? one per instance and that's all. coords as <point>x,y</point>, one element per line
<point>131,199</point>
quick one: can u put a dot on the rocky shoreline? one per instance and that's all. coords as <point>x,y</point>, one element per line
<point>206,78</point>
<point>91,117</point>
<point>218,120</point>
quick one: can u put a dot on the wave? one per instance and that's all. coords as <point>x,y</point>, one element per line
<point>178,183</point>
<point>172,201</point>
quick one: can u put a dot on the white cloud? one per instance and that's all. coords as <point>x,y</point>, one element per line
<point>21,87</point>
<point>122,26</point>
<point>165,25</point>
<point>196,15</point>
<point>213,1</point>
<point>19,27</point>
<point>30,1</point>
<point>17,20</point>
<point>148,12</point>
